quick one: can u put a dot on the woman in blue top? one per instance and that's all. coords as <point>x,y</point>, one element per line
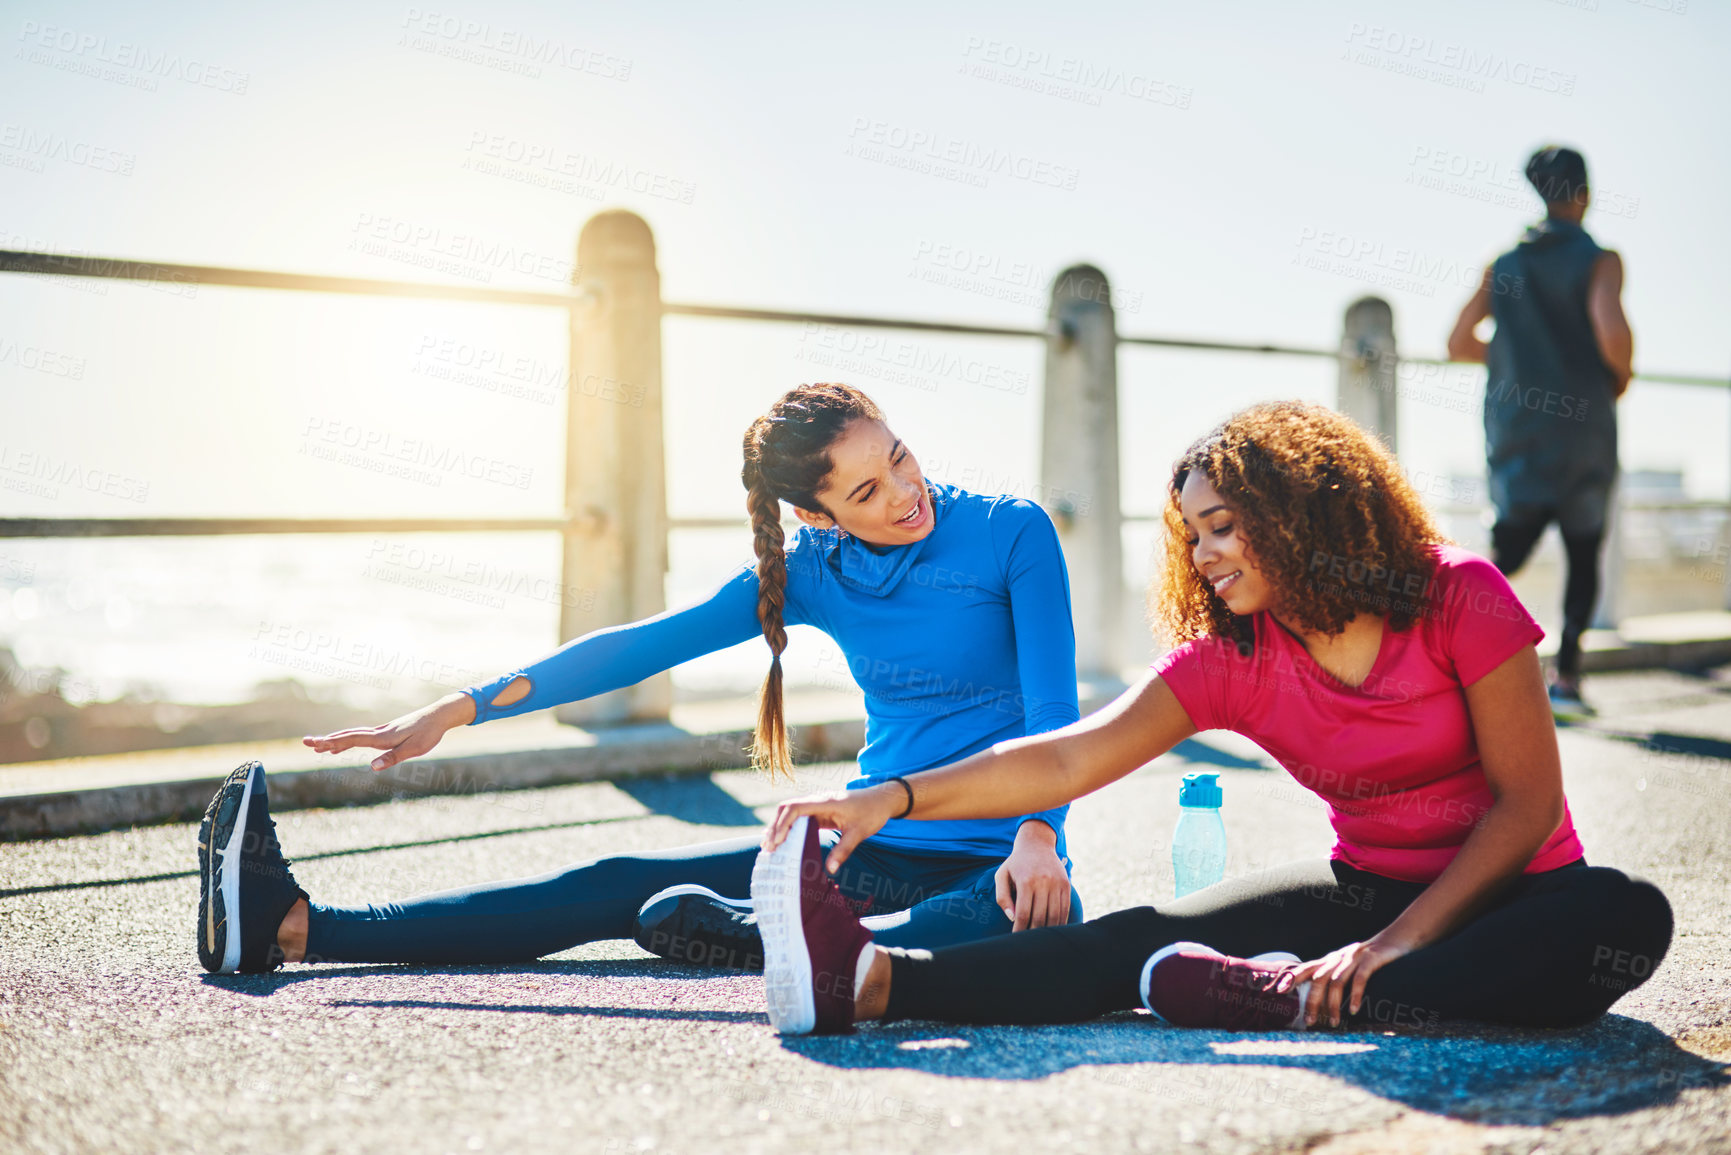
<point>953,611</point>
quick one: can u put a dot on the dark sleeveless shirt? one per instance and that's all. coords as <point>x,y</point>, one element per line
<point>1550,407</point>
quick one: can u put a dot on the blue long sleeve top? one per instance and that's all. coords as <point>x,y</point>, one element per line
<point>960,640</point>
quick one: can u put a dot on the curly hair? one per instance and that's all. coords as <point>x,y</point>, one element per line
<point>787,459</point>
<point>1325,512</point>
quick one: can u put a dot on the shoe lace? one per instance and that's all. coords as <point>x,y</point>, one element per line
<point>1248,994</point>
<point>270,848</point>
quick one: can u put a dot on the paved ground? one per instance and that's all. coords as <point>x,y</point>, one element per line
<point>112,1038</point>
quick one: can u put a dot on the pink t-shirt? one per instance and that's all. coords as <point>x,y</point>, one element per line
<point>1394,758</point>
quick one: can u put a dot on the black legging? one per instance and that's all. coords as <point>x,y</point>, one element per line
<point>1554,949</point>
<point>920,896</point>
<point>1512,540</point>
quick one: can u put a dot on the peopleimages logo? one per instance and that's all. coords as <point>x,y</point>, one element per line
<point>41,360</point>
<point>1002,278</point>
<point>415,458</point>
<point>465,254</point>
<point>1393,266</point>
<point>1065,77</point>
<point>498,155</point>
<point>1496,182</point>
<point>36,147</point>
<point>358,660</point>
<point>937,153</point>
<point>87,53</point>
<point>904,361</point>
<point>1563,405</point>
<point>57,471</point>
<point>1443,62</point>
<point>502,48</point>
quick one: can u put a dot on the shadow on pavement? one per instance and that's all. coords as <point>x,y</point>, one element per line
<point>699,801</point>
<point>1693,745</point>
<point>649,967</point>
<point>689,1014</point>
<point>695,800</point>
<point>1491,1075</point>
<point>94,883</point>
<point>1194,750</point>
<point>263,986</point>
<point>1486,1074</point>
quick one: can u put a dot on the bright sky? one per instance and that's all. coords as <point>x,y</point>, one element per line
<point>1241,171</point>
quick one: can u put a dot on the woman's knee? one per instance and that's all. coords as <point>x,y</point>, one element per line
<point>1650,902</point>
<point>1635,913</point>
<point>1644,924</point>
<point>1630,934</point>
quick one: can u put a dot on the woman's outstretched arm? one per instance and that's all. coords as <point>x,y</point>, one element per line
<point>1021,776</point>
<point>618,656</point>
<point>595,663</point>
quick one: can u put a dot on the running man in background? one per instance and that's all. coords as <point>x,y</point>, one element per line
<point>1560,357</point>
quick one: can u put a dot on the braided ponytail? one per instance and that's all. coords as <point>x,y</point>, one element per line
<point>787,459</point>
<point>770,751</point>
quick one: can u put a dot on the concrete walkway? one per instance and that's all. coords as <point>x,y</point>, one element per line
<point>112,1038</point>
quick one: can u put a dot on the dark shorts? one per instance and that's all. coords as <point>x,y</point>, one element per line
<point>1581,512</point>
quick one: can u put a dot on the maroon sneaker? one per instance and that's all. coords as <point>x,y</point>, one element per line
<point>811,939</point>
<point>1187,984</point>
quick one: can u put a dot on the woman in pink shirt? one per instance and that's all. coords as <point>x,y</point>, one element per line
<point>1318,610</point>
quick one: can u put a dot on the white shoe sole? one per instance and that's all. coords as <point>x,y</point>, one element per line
<point>786,961</point>
<point>228,877</point>
<point>743,905</point>
<point>1280,956</point>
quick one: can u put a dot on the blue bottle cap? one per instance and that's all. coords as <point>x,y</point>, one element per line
<point>1200,789</point>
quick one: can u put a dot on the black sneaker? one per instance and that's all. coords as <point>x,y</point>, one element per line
<point>693,924</point>
<point>244,884</point>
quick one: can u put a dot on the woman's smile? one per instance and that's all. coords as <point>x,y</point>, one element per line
<point>915,518</point>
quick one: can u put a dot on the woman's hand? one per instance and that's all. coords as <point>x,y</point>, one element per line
<point>403,738</point>
<point>1331,975</point>
<point>858,814</point>
<point>1033,888</point>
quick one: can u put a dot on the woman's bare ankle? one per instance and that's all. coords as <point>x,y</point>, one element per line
<point>291,936</point>
<point>872,999</point>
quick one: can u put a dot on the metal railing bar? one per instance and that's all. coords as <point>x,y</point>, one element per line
<point>671,309</point>
<point>1231,347</point>
<point>1666,378</point>
<point>16,527</point>
<point>207,526</point>
<point>1707,505</point>
<point>112,268</point>
<point>1629,506</point>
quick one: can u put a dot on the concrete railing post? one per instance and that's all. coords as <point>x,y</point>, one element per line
<point>1366,392</point>
<point>615,543</point>
<point>1722,554</point>
<point>1612,564</point>
<point>1079,463</point>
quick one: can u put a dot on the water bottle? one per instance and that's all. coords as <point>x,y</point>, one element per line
<point>1199,843</point>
